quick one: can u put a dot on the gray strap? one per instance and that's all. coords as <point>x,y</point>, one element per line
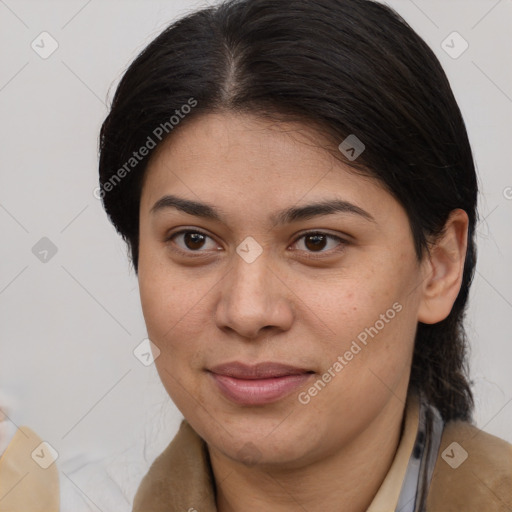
<point>414,491</point>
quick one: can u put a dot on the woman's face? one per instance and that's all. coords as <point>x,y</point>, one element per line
<point>248,267</point>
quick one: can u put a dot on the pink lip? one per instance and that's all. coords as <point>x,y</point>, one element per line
<point>258,384</point>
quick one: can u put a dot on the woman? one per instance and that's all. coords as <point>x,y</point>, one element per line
<point>296,186</point>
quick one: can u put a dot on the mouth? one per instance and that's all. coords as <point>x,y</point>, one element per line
<point>258,384</point>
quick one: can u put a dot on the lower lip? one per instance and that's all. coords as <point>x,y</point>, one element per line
<point>259,391</point>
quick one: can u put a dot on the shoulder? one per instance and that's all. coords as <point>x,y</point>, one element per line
<point>473,471</point>
<point>178,477</point>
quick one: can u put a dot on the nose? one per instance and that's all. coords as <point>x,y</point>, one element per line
<point>254,299</point>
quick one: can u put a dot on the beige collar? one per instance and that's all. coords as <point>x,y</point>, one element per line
<point>389,491</point>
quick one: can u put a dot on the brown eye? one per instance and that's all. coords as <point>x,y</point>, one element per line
<point>193,241</point>
<point>318,242</point>
<point>315,242</point>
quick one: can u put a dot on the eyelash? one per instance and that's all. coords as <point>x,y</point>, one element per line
<point>310,255</point>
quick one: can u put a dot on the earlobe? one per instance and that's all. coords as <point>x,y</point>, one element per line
<point>444,269</point>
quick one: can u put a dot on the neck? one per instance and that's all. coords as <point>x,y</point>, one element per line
<point>347,479</point>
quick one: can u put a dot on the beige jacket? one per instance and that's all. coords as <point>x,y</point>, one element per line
<point>181,480</point>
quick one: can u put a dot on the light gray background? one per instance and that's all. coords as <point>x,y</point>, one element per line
<point>69,326</point>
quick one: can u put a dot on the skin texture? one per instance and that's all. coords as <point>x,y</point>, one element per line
<point>333,452</point>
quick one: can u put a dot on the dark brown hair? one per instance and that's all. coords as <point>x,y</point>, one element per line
<point>343,66</point>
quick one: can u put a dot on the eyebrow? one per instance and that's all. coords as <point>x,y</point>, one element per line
<point>293,214</point>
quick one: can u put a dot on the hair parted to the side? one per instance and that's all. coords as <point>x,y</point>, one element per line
<point>343,67</point>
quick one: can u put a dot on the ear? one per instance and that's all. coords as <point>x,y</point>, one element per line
<point>443,269</point>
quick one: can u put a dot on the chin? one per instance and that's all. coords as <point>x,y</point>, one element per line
<point>261,442</point>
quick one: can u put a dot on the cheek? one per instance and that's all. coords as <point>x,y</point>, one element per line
<point>175,323</point>
<point>165,296</point>
<point>368,317</point>
<point>171,309</point>
<point>346,302</point>
<point>169,301</point>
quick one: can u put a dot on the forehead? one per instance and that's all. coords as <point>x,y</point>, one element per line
<point>227,137</point>
<point>251,163</point>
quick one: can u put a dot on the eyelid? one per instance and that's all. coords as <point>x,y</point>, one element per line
<point>310,254</point>
<point>169,238</point>
<point>319,254</point>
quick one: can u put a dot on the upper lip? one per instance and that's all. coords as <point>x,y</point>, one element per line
<point>263,370</point>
